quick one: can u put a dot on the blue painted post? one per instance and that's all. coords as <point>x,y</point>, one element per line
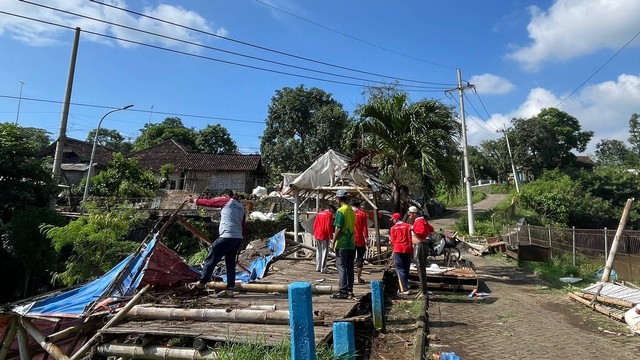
<point>303,341</point>
<point>377,305</point>
<point>344,343</point>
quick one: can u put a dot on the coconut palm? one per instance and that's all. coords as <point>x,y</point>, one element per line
<point>410,139</point>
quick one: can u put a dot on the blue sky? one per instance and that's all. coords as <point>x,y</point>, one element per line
<point>578,55</point>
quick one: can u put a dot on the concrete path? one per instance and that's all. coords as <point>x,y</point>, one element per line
<point>523,319</point>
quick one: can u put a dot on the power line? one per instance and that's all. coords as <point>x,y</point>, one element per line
<point>599,68</point>
<point>201,56</point>
<point>354,38</point>
<point>264,48</point>
<point>222,50</point>
<point>181,115</point>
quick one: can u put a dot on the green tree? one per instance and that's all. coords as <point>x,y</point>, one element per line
<point>169,128</point>
<point>402,137</point>
<point>111,139</point>
<point>123,179</point>
<point>545,141</point>
<point>31,250</point>
<point>215,139</point>
<point>301,125</point>
<point>24,179</point>
<point>481,165</point>
<point>612,152</point>
<point>634,131</point>
<point>97,242</point>
<point>497,153</point>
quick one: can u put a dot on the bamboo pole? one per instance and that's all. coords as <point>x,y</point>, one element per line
<point>69,332</point>
<point>23,344</point>
<point>9,335</point>
<point>271,317</point>
<point>605,299</point>
<point>153,352</point>
<point>120,315</point>
<point>37,335</point>
<point>598,308</point>
<point>270,288</point>
<point>616,240</point>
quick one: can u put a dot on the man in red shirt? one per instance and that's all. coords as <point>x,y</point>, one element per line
<point>421,228</point>
<point>400,236</point>
<point>323,232</point>
<point>361,234</point>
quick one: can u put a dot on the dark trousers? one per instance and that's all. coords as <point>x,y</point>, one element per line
<point>403,263</point>
<point>344,263</point>
<point>222,247</point>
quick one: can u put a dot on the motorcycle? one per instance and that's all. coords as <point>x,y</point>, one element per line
<point>443,243</point>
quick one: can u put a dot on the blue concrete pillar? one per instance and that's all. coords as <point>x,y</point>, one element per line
<point>303,341</point>
<point>377,305</point>
<point>344,343</point>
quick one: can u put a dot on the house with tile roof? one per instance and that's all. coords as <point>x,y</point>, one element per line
<point>197,172</point>
<point>76,155</point>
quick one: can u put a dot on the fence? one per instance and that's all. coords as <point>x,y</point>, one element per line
<point>593,244</point>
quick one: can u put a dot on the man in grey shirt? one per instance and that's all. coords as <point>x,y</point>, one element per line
<point>232,225</point>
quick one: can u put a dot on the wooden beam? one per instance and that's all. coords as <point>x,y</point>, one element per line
<point>270,317</point>
<point>193,230</point>
<point>596,307</point>
<point>605,299</point>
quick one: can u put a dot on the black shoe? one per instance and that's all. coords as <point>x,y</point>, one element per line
<point>340,295</point>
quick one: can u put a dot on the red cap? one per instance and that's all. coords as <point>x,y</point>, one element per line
<point>396,216</point>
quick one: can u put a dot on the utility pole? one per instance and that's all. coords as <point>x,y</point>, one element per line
<point>19,101</point>
<point>465,153</point>
<point>62,135</point>
<point>513,167</point>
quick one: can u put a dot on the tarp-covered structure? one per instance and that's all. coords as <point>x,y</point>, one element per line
<point>331,172</point>
<point>152,264</point>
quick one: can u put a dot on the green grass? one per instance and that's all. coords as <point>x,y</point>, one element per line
<point>413,307</point>
<point>258,350</point>
<point>461,199</point>
<point>552,270</point>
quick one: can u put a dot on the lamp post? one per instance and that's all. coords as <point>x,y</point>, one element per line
<point>93,153</point>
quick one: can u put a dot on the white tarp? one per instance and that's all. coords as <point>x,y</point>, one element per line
<point>330,170</point>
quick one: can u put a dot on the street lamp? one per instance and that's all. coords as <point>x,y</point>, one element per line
<point>93,153</point>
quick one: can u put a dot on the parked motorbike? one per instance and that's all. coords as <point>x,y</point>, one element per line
<point>444,243</point>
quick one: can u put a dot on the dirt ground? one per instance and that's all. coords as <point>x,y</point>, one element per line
<point>521,318</point>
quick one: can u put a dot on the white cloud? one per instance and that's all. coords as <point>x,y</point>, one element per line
<point>572,28</point>
<point>603,108</point>
<point>491,84</point>
<point>41,34</point>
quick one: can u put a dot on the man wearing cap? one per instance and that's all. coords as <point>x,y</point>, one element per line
<point>344,245</point>
<point>361,235</point>
<point>400,236</point>
<point>421,228</point>
<point>323,233</point>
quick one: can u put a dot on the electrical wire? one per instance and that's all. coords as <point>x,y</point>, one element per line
<point>353,37</point>
<point>222,50</point>
<point>262,47</point>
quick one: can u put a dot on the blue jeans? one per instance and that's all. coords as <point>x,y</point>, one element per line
<point>222,247</point>
<point>344,263</point>
<point>403,264</point>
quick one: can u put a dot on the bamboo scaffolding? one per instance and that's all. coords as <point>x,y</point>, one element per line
<point>598,308</point>
<point>270,317</point>
<point>271,288</point>
<point>37,335</point>
<point>23,344</point>
<point>120,315</point>
<point>70,332</point>
<point>153,352</point>
<point>9,335</point>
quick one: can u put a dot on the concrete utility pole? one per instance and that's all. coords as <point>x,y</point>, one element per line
<point>62,135</point>
<point>19,101</point>
<point>513,167</point>
<point>465,153</point>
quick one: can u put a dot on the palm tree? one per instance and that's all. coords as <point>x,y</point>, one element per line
<point>406,139</point>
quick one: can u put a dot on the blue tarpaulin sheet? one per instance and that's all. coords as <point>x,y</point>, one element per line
<point>75,302</point>
<point>258,267</point>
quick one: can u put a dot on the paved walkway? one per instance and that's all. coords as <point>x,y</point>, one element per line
<point>523,319</point>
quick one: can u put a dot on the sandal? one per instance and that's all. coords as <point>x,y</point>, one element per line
<point>361,281</point>
<point>225,294</point>
<point>340,295</point>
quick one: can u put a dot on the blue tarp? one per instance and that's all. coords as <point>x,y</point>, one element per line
<point>75,302</point>
<point>259,266</point>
